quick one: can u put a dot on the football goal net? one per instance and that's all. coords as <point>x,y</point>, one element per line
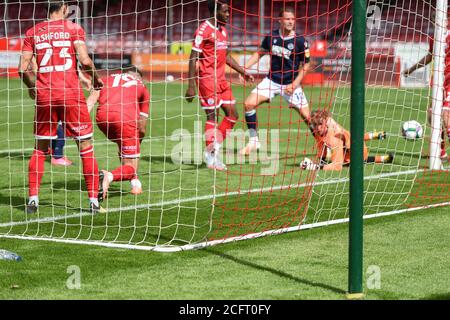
<point>262,148</point>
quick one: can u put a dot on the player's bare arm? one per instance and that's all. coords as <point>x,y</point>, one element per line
<point>337,155</point>
<point>27,76</point>
<point>85,82</point>
<point>190,92</point>
<point>255,57</point>
<point>88,65</point>
<point>237,67</point>
<point>142,126</point>
<point>92,99</point>
<point>422,63</point>
<point>298,80</point>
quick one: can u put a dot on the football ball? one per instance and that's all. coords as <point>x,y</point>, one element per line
<point>412,130</point>
<point>170,78</point>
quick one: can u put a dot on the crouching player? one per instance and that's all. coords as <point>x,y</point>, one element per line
<point>332,136</point>
<point>122,116</point>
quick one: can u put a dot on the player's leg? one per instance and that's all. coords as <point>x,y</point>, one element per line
<point>79,126</point>
<point>109,124</point>
<point>229,108</point>
<point>298,102</point>
<point>386,158</point>
<point>129,153</point>
<point>374,135</point>
<point>445,131</point>
<point>57,148</point>
<point>229,121</point>
<point>36,168</point>
<point>136,185</point>
<point>264,92</point>
<point>90,172</point>
<point>445,122</point>
<point>210,99</point>
<point>44,132</point>
<point>214,139</point>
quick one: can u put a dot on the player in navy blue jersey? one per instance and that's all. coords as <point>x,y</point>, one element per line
<point>289,62</point>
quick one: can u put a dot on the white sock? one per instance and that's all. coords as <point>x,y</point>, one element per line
<point>110,177</point>
<point>94,201</point>
<point>135,183</point>
<point>217,147</point>
<point>35,199</point>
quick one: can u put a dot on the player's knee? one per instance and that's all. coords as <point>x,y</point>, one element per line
<point>83,144</point>
<point>42,145</point>
<point>249,106</point>
<point>234,114</point>
<point>210,116</point>
<point>132,162</point>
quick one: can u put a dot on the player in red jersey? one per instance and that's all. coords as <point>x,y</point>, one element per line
<point>446,106</point>
<point>210,48</point>
<point>122,116</point>
<point>56,44</point>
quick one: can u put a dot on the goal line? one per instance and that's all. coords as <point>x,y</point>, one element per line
<point>223,241</point>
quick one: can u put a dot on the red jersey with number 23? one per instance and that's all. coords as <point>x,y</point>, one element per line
<point>52,43</point>
<point>212,44</point>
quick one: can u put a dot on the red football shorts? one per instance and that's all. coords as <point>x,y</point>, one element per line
<point>213,96</point>
<point>446,105</point>
<point>124,134</point>
<point>72,112</point>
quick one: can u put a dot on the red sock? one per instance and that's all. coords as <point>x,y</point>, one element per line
<point>90,171</point>
<point>123,173</point>
<point>35,172</point>
<point>210,132</point>
<point>226,126</point>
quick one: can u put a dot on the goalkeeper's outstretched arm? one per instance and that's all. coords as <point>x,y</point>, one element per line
<point>422,63</point>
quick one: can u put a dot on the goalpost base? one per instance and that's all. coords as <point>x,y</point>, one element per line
<point>354,296</point>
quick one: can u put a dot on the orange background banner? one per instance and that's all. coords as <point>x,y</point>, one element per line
<point>161,62</point>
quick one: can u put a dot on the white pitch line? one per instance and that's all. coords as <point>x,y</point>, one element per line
<point>207,197</point>
<point>205,244</point>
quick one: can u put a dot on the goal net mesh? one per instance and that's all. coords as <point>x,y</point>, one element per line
<point>185,204</point>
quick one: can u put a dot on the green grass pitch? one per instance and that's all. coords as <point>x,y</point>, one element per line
<point>176,209</point>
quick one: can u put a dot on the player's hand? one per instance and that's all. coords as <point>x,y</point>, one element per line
<point>307,164</point>
<point>248,77</point>
<point>289,90</point>
<point>32,92</point>
<point>190,94</point>
<point>406,73</point>
<point>98,84</point>
<point>141,136</point>
<point>86,84</point>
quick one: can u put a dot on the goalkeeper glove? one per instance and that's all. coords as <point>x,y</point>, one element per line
<point>307,164</point>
